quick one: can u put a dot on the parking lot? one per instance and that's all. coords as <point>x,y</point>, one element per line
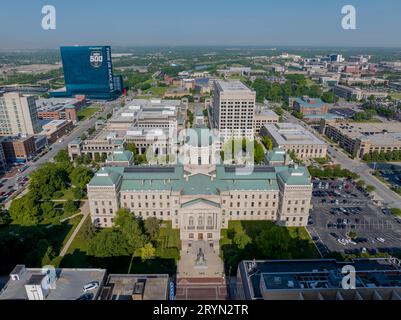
<point>345,219</point>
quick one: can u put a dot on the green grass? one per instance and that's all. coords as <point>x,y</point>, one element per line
<point>156,91</point>
<point>21,246</point>
<point>86,113</point>
<point>396,95</point>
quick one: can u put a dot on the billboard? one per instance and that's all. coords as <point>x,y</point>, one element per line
<point>88,70</point>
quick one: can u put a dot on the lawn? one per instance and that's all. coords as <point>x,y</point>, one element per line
<point>301,245</point>
<point>28,244</point>
<point>156,91</point>
<point>86,113</point>
<point>396,95</point>
<point>165,261</point>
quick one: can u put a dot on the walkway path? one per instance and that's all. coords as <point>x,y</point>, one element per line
<point>85,212</point>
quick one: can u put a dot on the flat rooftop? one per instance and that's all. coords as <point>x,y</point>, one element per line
<point>149,287</point>
<point>290,133</point>
<point>377,132</point>
<point>317,274</point>
<point>69,283</point>
<point>232,86</point>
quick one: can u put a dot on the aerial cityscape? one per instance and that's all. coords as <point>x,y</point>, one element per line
<point>224,168</point>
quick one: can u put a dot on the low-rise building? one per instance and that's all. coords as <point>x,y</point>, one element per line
<point>60,108</point>
<point>375,279</point>
<point>294,138</point>
<point>264,116</point>
<point>136,287</point>
<point>354,93</point>
<point>359,138</point>
<point>52,284</point>
<point>68,284</point>
<point>18,148</point>
<point>55,129</point>
<point>310,106</point>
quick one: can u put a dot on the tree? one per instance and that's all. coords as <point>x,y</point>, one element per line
<point>130,230</point>
<point>78,193</point>
<point>259,153</point>
<point>274,243</point>
<point>85,159</point>
<point>132,147</point>
<point>152,227</point>
<point>88,230</point>
<point>147,252</point>
<point>62,156</point>
<point>48,210</point>
<point>329,97</point>
<point>360,183</point>
<point>83,137</point>
<point>25,211</point>
<point>267,142</point>
<point>5,218</point>
<point>70,206</point>
<point>298,115</point>
<point>48,179</point>
<point>80,176</point>
<point>108,243</point>
<point>241,239</point>
<point>370,188</point>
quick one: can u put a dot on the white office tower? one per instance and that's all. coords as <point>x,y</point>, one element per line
<point>233,109</point>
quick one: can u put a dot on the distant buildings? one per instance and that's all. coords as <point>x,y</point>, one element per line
<point>18,114</point>
<point>234,109</point>
<point>146,123</point>
<point>60,108</point>
<point>312,109</point>
<point>354,93</point>
<point>309,106</point>
<point>360,138</point>
<point>375,279</point>
<point>88,71</point>
<point>294,138</point>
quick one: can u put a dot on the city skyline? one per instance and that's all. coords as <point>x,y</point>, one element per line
<point>259,23</point>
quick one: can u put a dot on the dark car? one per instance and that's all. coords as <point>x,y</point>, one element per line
<point>86,296</point>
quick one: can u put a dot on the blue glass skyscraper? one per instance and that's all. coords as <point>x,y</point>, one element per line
<point>88,70</point>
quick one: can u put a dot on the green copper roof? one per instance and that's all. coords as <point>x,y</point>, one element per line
<point>147,178</point>
<point>294,175</point>
<point>105,177</point>
<point>120,156</point>
<point>276,155</point>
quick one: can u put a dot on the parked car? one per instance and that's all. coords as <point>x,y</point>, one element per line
<point>91,286</point>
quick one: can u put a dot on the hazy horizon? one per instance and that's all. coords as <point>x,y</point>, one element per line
<point>223,23</point>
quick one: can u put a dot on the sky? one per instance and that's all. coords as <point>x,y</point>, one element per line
<point>201,22</point>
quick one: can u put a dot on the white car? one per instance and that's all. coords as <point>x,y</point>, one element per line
<point>380,240</point>
<point>90,286</point>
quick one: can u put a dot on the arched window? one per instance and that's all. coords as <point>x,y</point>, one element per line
<point>191,221</point>
<point>209,221</point>
<point>200,221</point>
